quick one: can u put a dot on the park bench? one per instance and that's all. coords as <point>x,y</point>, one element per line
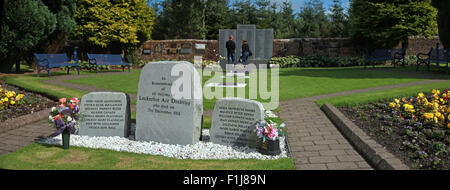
<point>48,61</point>
<point>435,55</point>
<point>394,55</point>
<point>107,59</point>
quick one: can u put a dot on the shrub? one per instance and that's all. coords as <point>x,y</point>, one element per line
<point>316,60</point>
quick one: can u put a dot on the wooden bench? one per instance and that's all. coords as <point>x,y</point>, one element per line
<point>48,61</point>
<point>394,55</point>
<point>107,59</point>
<point>436,55</point>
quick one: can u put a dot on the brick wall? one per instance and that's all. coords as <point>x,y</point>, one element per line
<point>186,49</point>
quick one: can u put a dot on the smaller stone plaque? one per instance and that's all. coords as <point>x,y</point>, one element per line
<point>105,114</point>
<point>233,122</point>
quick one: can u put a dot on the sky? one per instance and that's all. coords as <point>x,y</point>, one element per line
<point>298,4</point>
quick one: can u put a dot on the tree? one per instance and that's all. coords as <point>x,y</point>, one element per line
<point>286,17</point>
<point>245,12</point>
<point>179,19</point>
<point>25,23</point>
<point>217,17</point>
<point>339,20</point>
<point>443,20</point>
<point>383,24</point>
<point>64,11</point>
<point>312,21</point>
<point>104,23</point>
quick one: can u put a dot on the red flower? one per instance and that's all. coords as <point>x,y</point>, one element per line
<point>72,106</point>
<point>61,106</point>
<point>446,90</point>
<point>57,117</point>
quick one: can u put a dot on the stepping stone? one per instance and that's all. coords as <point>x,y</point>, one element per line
<point>226,85</point>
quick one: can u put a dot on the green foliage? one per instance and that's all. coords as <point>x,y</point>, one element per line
<point>25,23</point>
<point>184,19</point>
<point>316,60</point>
<point>443,20</point>
<point>217,17</point>
<point>383,24</point>
<point>135,59</point>
<point>179,19</point>
<point>338,20</point>
<point>102,23</point>
<point>312,22</point>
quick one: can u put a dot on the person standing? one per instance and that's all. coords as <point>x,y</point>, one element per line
<point>245,52</point>
<point>231,48</point>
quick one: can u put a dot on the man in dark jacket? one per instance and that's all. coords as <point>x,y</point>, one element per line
<point>231,48</point>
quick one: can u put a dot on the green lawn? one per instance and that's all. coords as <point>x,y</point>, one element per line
<point>44,157</point>
<point>37,84</point>
<point>362,98</point>
<point>293,82</point>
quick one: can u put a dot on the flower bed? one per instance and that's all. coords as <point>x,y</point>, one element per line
<point>415,129</point>
<point>15,102</point>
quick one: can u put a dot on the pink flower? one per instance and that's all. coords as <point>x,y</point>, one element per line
<point>61,106</point>
<point>62,100</point>
<point>74,100</point>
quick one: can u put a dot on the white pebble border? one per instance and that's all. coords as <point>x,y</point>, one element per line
<point>198,151</point>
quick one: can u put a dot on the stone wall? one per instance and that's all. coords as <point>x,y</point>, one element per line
<point>421,45</point>
<point>186,49</point>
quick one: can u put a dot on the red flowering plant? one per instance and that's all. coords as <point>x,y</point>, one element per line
<point>65,116</point>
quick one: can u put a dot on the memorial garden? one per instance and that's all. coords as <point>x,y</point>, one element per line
<point>117,103</point>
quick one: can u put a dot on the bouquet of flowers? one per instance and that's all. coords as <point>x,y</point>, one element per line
<point>268,130</point>
<point>65,116</point>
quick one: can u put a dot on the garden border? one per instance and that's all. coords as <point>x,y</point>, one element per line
<point>23,120</point>
<point>373,152</point>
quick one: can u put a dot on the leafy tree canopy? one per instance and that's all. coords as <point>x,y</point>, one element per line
<point>383,24</point>
<point>101,23</point>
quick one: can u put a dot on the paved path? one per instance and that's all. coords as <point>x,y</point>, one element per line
<point>314,141</point>
<point>13,140</point>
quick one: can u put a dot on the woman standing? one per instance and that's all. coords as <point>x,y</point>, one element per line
<point>245,52</point>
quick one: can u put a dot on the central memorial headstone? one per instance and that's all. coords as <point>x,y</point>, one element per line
<point>105,114</point>
<point>233,122</point>
<point>170,103</point>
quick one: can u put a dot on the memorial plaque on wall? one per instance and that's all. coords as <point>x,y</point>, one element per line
<point>185,50</point>
<point>105,114</point>
<point>163,116</point>
<point>233,122</point>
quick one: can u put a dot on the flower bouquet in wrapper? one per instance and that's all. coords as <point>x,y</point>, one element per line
<point>268,133</point>
<point>65,117</point>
